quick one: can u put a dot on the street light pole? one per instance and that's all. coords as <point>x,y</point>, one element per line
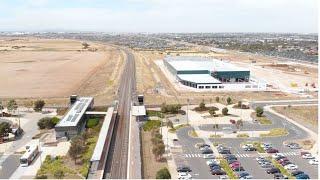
<point>188,111</point>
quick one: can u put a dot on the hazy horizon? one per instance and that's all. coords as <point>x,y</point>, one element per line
<point>161,16</point>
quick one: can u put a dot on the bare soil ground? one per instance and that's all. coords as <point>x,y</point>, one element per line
<point>157,89</point>
<point>301,114</point>
<point>150,165</point>
<point>53,69</point>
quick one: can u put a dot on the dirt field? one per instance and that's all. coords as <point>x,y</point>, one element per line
<point>301,114</point>
<point>54,69</point>
<point>150,165</point>
<point>157,89</point>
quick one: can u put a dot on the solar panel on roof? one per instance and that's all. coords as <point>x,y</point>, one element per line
<point>69,118</point>
<point>75,117</point>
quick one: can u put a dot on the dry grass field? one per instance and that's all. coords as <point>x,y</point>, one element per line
<point>53,69</point>
<point>307,115</point>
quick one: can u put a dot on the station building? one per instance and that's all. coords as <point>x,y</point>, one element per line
<point>73,123</point>
<point>205,73</point>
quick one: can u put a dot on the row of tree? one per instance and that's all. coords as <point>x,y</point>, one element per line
<point>170,108</point>
<point>158,146</point>
<point>12,105</point>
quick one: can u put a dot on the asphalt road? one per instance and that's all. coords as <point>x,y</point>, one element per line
<point>200,169</point>
<point>116,167</point>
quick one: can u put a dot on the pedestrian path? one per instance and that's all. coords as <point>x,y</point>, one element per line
<point>195,155</point>
<point>290,153</point>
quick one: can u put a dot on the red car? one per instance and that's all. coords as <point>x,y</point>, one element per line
<point>235,164</point>
<point>271,150</point>
<point>283,159</point>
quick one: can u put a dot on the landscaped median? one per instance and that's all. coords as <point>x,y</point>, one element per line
<point>243,135</point>
<point>175,128</point>
<point>225,166</point>
<point>275,132</point>
<point>193,133</point>
<point>282,169</point>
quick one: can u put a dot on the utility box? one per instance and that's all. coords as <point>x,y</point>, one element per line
<point>73,99</point>
<point>140,99</point>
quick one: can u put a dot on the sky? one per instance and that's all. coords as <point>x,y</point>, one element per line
<point>297,16</point>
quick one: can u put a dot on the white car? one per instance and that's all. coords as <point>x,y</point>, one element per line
<point>291,167</point>
<point>224,177</point>
<point>246,146</point>
<point>208,156</point>
<point>266,145</point>
<point>184,175</point>
<point>314,162</point>
<point>278,155</point>
<point>308,156</point>
<point>213,161</point>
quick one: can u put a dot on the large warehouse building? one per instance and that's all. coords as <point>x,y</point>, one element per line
<point>205,73</point>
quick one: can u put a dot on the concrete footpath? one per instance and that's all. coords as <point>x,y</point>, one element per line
<point>134,156</point>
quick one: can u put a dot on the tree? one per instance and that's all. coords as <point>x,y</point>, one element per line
<point>259,111</point>
<point>239,104</point>
<point>170,124</point>
<point>225,111</point>
<point>239,124</point>
<point>12,105</point>
<point>38,105</point>
<point>29,105</point>
<point>163,174</point>
<point>202,105</point>
<point>229,100</point>
<point>5,128</point>
<point>158,150</point>
<point>47,122</point>
<point>217,99</point>
<point>85,45</point>
<point>77,147</point>
<point>55,121</point>
<point>212,112</point>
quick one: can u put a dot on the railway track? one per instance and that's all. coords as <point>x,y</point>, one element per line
<point>116,165</point>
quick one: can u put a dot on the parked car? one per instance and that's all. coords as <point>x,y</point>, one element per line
<point>224,177</point>
<point>237,163</point>
<point>272,150</point>
<point>302,176</point>
<point>238,168</point>
<point>207,151</point>
<point>227,156</point>
<point>212,161</point>
<point>225,151</point>
<point>204,148</point>
<point>183,169</point>
<point>232,161</point>
<point>297,172</point>
<point>273,170</point>
<point>284,163</point>
<point>208,156</point>
<point>279,176</point>
<point>243,174</point>
<point>215,168</point>
<point>283,159</point>
<point>201,145</point>
<point>291,167</point>
<point>303,153</point>
<point>266,145</point>
<point>313,162</point>
<point>294,146</point>
<point>277,155</point>
<point>267,165</point>
<point>184,175</point>
<point>250,149</point>
<point>264,161</point>
<point>260,158</point>
<point>218,172</point>
<point>308,156</point>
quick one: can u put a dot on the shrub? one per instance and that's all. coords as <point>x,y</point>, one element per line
<point>38,105</point>
<point>41,176</point>
<point>170,108</point>
<point>92,122</point>
<point>59,174</point>
<point>239,104</point>
<point>55,121</point>
<point>225,111</point>
<point>259,111</point>
<point>229,100</point>
<point>151,124</point>
<point>163,174</point>
<point>217,99</point>
<point>45,123</point>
